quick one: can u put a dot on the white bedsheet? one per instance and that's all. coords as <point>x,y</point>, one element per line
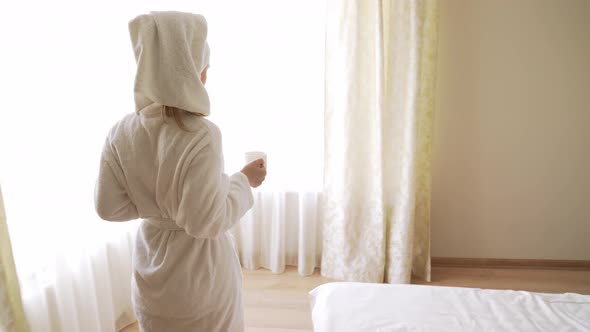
<point>343,307</point>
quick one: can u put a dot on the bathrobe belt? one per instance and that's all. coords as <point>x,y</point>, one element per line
<point>163,223</point>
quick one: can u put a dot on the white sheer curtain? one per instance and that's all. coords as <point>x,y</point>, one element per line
<point>67,76</point>
<point>282,229</point>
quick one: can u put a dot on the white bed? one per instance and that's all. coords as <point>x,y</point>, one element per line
<point>344,307</point>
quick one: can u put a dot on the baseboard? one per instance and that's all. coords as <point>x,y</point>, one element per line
<point>554,264</point>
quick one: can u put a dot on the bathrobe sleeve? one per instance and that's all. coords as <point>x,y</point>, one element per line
<point>111,200</point>
<point>210,201</point>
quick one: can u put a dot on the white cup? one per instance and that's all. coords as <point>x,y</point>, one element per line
<point>255,155</point>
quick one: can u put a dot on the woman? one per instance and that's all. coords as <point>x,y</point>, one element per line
<point>164,164</point>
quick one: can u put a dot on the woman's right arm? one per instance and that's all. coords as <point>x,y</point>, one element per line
<point>211,202</point>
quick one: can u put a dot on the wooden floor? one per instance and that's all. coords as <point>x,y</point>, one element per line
<point>279,302</point>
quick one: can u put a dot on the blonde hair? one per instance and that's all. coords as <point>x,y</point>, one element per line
<point>176,113</point>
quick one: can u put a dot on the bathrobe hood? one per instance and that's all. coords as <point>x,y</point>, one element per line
<point>171,51</point>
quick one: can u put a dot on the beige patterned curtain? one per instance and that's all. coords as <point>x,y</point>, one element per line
<point>380,77</point>
<point>12,316</point>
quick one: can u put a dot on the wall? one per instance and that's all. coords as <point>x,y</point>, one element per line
<point>511,159</point>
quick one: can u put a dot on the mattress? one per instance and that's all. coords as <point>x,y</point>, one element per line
<point>344,306</point>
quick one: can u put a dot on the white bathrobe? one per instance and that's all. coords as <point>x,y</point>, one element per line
<point>187,276</point>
